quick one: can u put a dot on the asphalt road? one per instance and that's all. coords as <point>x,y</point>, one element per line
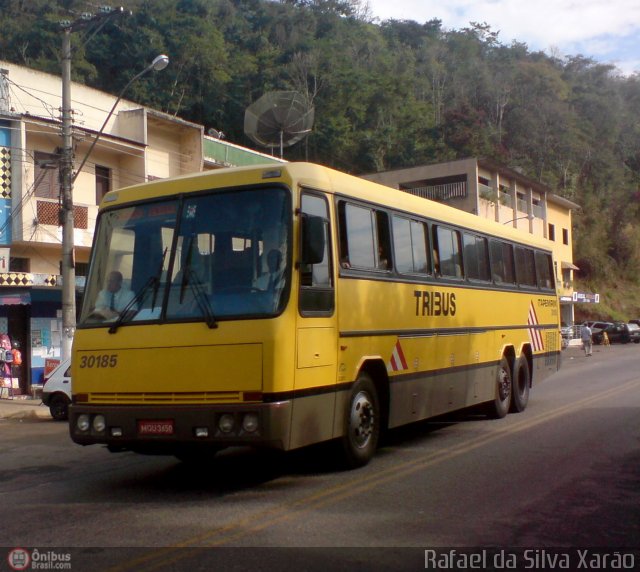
<point>562,475</point>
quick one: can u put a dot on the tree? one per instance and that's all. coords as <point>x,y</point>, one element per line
<point>386,94</point>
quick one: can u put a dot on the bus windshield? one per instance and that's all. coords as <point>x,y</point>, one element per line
<point>205,257</point>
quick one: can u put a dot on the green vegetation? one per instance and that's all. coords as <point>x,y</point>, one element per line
<point>619,301</point>
<point>386,95</point>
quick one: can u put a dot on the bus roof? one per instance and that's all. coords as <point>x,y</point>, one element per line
<point>321,178</point>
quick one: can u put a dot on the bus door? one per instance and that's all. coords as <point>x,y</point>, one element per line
<point>316,331</point>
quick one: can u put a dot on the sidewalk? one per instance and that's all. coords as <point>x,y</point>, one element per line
<point>18,408</point>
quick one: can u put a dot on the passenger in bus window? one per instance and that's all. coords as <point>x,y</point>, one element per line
<point>114,298</point>
<point>272,279</point>
<point>383,260</point>
<point>436,262</point>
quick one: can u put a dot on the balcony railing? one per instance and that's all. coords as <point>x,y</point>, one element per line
<point>48,212</point>
<point>505,199</point>
<point>442,192</point>
<point>487,193</point>
<point>537,211</point>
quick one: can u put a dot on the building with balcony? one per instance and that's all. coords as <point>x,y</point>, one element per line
<point>493,191</point>
<point>138,144</point>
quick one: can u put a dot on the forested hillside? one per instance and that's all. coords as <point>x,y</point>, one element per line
<point>386,94</point>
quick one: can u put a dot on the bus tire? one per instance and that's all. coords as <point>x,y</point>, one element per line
<point>362,423</point>
<point>501,403</point>
<point>521,385</point>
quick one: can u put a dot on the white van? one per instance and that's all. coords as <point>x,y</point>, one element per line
<point>56,392</point>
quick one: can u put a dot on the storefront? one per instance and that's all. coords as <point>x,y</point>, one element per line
<point>31,318</point>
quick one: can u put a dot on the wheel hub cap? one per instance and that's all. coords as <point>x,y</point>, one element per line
<point>362,419</point>
<point>503,385</point>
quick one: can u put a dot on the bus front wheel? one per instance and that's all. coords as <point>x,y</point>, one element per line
<point>499,407</point>
<point>362,423</point>
<point>521,385</point>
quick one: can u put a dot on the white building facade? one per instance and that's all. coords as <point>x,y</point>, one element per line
<point>138,144</point>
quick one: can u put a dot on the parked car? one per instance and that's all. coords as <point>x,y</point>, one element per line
<point>597,325</point>
<point>56,392</point>
<point>618,333</point>
<point>568,333</point>
<point>634,332</point>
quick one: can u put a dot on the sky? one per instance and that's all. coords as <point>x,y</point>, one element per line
<point>607,31</point>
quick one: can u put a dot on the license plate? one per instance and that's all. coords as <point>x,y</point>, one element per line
<point>155,427</point>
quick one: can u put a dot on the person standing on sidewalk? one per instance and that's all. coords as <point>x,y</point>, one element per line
<point>587,343</point>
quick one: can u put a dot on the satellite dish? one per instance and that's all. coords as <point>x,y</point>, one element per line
<point>215,133</point>
<point>278,118</point>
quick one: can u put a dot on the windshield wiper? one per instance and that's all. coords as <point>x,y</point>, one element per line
<point>202,299</point>
<point>128,311</point>
<point>190,278</point>
<point>156,286</point>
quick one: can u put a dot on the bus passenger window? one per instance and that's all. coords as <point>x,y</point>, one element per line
<point>449,252</point>
<point>476,257</point>
<point>525,267</point>
<point>343,243</point>
<point>360,236</point>
<point>502,266</point>
<point>383,261</point>
<point>365,241</point>
<point>410,246</point>
<point>544,270</point>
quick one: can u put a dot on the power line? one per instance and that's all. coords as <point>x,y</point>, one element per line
<point>48,107</point>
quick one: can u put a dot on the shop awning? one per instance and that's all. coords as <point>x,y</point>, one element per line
<point>23,298</point>
<point>568,266</point>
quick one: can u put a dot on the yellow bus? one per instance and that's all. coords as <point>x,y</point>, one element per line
<point>290,305</point>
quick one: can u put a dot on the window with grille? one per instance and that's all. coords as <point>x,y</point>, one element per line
<point>46,175</point>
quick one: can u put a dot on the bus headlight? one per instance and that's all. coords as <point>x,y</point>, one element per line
<point>226,423</point>
<point>250,422</point>
<point>99,423</point>
<point>83,423</point>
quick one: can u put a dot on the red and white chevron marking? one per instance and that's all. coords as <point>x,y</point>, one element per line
<point>535,337</point>
<point>397,362</point>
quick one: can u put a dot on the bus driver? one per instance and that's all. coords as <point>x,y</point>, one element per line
<point>114,298</point>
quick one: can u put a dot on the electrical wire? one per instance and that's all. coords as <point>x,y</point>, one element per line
<point>47,106</point>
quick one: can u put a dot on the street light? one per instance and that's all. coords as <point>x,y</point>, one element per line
<point>158,64</point>
<point>530,217</point>
<point>67,178</point>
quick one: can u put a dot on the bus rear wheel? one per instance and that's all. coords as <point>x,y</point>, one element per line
<point>521,385</point>
<point>499,407</point>
<point>362,423</point>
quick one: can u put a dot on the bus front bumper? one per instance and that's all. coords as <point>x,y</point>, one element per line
<point>167,429</point>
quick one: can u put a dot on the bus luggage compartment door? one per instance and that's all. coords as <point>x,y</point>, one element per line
<point>313,406</point>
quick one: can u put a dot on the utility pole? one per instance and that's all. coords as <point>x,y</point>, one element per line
<point>66,214</point>
<point>66,178</point>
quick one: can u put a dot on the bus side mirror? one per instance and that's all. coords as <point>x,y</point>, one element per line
<point>312,239</point>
